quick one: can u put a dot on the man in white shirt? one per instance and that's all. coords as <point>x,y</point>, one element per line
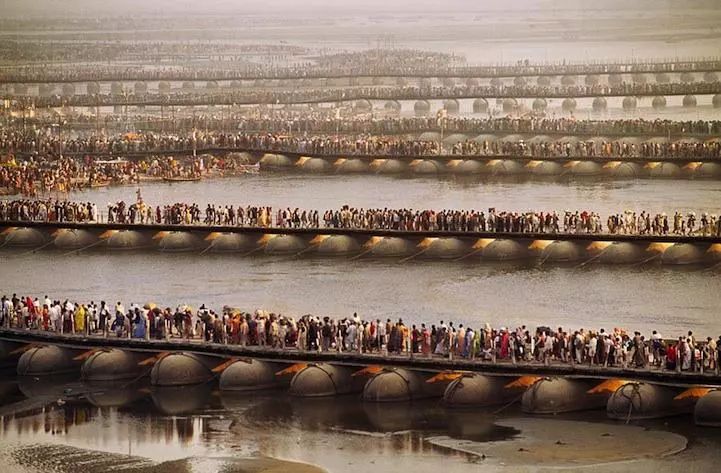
<point>381,335</point>
<point>56,320</point>
<point>656,347</point>
<point>7,309</point>
<point>92,317</point>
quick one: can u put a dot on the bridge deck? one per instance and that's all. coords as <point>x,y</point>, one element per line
<point>417,362</point>
<point>370,157</point>
<point>470,72</point>
<point>367,233</point>
<point>349,128</point>
<point>89,101</point>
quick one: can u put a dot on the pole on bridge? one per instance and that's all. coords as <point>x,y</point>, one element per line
<point>442,115</point>
<point>97,114</point>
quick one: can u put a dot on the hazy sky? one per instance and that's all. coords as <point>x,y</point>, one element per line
<point>282,7</point>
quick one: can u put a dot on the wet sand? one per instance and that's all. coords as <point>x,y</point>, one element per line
<point>562,444</point>
<point>61,459</point>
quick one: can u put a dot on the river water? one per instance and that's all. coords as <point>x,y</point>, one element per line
<point>197,429</point>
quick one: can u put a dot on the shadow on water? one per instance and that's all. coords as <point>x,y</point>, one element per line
<point>53,386</point>
<point>180,400</point>
<point>350,414</point>
<point>10,392</point>
<point>114,394</point>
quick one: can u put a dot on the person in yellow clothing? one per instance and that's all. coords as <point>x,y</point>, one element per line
<point>406,338</point>
<point>80,319</point>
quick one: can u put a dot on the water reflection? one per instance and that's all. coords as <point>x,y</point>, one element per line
<point>341,433</point>
<point>50,419</point>
<point>182,414</point>
<point>49,387</point>
<point>9,391</point>
<point>177,400</point>
<point>350,414</point>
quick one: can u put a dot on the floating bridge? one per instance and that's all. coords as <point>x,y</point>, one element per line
<point>541,389</point>
<point>577,249</point>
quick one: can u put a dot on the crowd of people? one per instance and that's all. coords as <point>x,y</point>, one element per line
<point>492,220</point>
<point>371,62</point>
<point>17,142</point>
<point>35,56</point>
<point>37,177</point>
<point>407,92</point>
<point>267,330</point>
<point>323,121</point>
<point>589,148</point>
<point>296,63</point>
<point>63,175</point>
<point>48,168</point>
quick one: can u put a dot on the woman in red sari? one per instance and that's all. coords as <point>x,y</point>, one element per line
<point>32,313</point>
<point>504,344</point>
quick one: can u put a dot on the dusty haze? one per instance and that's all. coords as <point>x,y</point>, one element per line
<point>75,8</point>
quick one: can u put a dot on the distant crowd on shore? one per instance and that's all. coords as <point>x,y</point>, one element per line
<point>241,62</point>
<point>39,58</point>
<point>59,176</point>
